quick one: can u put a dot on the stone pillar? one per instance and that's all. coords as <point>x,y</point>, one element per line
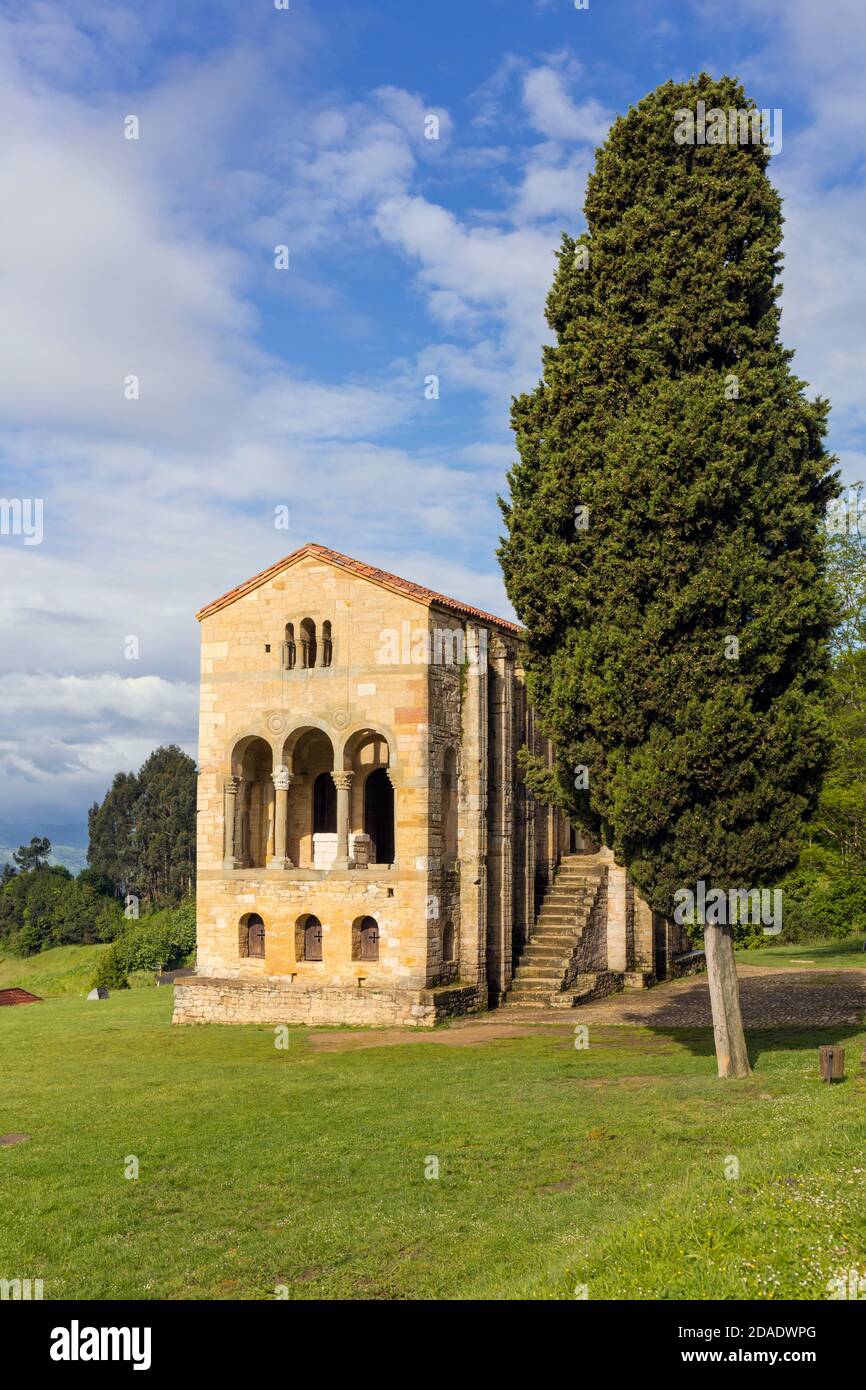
<point>643,934</point>
<point>617,911</point>
<point>500,820</point>
<point>282,779</point>
<point>343,783</point>
<point>230,803</point>
<point>473,812</point>
<point>531,850</point>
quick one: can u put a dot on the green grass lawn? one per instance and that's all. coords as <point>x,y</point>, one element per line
<point>831,955</point>
<point>557,1167</point>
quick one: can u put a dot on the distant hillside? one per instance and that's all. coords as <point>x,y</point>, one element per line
<point>73,857</point>
<point>60,970</point>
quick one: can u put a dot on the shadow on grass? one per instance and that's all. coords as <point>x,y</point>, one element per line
<point>700,1043</point>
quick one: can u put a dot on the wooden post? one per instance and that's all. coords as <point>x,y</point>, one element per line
<point>832,1061</point>
<point>731,1054</point>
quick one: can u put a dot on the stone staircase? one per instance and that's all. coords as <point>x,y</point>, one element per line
<point>564,961</point>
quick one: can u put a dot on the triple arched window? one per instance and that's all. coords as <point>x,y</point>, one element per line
<point>307,649</point>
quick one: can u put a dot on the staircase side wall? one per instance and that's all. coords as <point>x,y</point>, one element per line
<point>590,958</point>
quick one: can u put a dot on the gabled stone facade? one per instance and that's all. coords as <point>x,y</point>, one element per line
<point>367,851</point>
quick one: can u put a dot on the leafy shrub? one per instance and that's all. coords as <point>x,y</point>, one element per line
<point>109,973</point>
<point>823,898</point>
<point>160,943</point>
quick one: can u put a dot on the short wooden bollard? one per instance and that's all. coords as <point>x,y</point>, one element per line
<point>832,1063</point>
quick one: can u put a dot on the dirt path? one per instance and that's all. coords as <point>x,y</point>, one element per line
<point>771,998</point>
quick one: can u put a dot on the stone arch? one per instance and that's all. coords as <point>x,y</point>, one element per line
<point>356,738</point>
<point>252,762</point>
<point>308,753</point>
<point>367,750</point>
<point>297,736</point>
<point>239,747</point>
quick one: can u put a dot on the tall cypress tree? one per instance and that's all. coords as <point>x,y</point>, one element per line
<point>664,544</point>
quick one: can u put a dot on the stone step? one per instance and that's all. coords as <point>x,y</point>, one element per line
<point>551,976</point>
<point>563,947</point>
<point>538,979</point>
<point>552,938</point>
<point>558,929</point>
<point>583,988</point>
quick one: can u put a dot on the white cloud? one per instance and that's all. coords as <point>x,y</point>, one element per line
<point>554,114</point>
<point>72,734</point>
<point>816,55</point>
<point>504,272</point>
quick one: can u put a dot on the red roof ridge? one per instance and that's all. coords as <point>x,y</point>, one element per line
<point>376,576</point>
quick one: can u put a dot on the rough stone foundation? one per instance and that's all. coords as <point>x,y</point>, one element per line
<point>205,999</point>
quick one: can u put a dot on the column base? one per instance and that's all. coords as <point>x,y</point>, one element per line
<point>342,864</point>
<point>280,864</point>
<point>232,864</point>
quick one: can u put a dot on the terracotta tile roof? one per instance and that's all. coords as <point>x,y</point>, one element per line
<point>429,597</point>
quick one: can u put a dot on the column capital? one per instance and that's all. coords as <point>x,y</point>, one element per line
<point>394,777</point>
<point>343,780</point>
<point>232,785</point>
<point>281,778</point>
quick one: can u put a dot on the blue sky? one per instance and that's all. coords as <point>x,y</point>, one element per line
<point>304,388</point>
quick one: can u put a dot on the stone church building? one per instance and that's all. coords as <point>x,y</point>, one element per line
<point>367,851</point>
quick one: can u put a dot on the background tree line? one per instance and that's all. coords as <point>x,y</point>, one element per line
<point>825,895</point>
<point>142,835</point>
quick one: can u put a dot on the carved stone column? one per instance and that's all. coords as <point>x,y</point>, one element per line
<point>230,802</point>
<point>270,811</point>
<point>282,780</point>
<point>617,911</point>
<point>343,782</point>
